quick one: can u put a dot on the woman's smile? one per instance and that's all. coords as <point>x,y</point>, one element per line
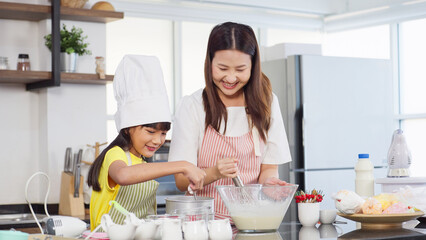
<point>231,71</point>
<point>229,85</point>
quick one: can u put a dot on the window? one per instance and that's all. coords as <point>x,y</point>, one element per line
<point>372,42</point>
<point>194,46</point>
<point>277,36</point>
<point>412,36</point>
<point>415,135</point>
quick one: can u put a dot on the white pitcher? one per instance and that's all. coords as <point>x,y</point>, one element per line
<point>117,231</point>
<point>171,229</point>
<point>220,229</point>
<point>195,230</point>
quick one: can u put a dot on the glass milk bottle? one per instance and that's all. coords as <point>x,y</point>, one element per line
<point>364,180</point>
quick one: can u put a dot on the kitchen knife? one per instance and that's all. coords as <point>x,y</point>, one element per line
<point>73,164</point>
<point>67,161</point>
<point>77,181</point>
<point>77,173</point>
<point>79,156</point>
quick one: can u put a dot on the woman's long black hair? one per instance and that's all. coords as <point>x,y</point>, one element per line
<point>257,91</point>
<point>123,141</point>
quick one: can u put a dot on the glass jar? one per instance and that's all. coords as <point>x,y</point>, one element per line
<point>23,62</point>
<point>4,65</point>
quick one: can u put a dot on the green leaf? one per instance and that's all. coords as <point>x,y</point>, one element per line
<point>69,50</point>
<point>71,41</point>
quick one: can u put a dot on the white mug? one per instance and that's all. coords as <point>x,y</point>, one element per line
<point>195,230</point>
<point>147,230</point>
<point>117,231</point>
<point>220,229</point>
<point>159,223</point>
<point>171,229</point>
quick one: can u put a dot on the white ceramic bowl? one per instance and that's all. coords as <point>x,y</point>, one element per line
<point>327,216</point>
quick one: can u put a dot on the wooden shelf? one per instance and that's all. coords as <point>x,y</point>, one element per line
<point>12,76</point>
<point>36,12</point>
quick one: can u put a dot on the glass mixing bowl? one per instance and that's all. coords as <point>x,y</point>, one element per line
<point>257,208</point>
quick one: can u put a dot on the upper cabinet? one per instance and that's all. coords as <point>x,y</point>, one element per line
<point>35,12</point>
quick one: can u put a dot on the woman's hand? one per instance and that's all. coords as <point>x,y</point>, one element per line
<point>273,181</point>
<point>195,176</point>
<point>227,168</point>
<point>273,193</point>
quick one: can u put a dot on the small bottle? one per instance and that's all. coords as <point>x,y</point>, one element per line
<point>23,62</point>
<point>364,180</point>
<point>4,63</point>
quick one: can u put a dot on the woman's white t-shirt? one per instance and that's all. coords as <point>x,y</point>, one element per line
<point>189,126</point>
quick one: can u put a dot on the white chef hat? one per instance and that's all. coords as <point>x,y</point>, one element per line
<point>140,92</point>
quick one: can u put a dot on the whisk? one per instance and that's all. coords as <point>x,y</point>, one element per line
<point>246,197</point>
<point>190,191</point>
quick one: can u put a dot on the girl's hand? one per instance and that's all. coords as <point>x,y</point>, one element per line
<point>195,176</point>
<point>273,181</point>
<point>227,168</point>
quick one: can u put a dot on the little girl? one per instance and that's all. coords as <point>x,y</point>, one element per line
<point>143,118</point>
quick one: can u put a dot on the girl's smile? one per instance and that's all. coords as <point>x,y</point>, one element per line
<point>152,149</point>
<point>146,140</point>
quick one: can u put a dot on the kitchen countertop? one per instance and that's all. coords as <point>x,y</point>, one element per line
<point>18,216</point>
<point>28,223</point>
<point>294,231</point>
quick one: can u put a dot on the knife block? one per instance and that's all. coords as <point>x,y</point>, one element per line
<point>68,204</point>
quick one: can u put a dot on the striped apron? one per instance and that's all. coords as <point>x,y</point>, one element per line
<point>216,146</point>
<point>136,198</point>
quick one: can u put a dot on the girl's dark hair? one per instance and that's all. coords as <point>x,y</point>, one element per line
<point>123,141</point>
<point>258,90</point>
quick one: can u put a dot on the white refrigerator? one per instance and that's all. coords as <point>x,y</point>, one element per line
<point>333,108</point>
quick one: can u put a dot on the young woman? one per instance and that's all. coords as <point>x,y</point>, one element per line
<point>234,125</point>
<point>142,119</point>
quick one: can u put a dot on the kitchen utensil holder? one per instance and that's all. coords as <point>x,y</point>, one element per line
<point>68,204</point>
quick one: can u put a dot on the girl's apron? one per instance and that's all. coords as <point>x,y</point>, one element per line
<point>136,198</point>
<point>245,148</point>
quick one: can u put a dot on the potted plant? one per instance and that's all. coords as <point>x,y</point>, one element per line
<point>308,206</point>
<point>72,46</point>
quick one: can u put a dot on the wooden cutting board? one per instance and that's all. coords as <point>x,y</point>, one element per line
<point>46,237</point>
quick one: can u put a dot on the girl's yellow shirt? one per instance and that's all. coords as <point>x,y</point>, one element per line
<point>99,201</point>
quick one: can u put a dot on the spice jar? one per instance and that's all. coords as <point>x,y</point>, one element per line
<point>23,62</point>
<point>4,63</point>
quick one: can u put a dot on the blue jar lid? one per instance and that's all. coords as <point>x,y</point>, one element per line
<point>363,155</point>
